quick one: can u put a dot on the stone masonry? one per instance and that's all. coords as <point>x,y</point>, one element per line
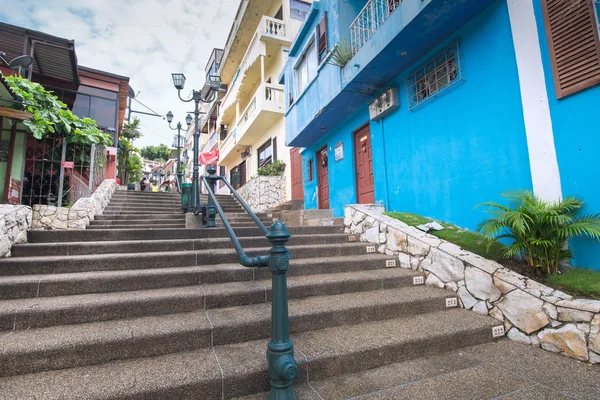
<point>77,217</point>
<point>532,313</point>
<point>264,192</point>
<point>14,223</point>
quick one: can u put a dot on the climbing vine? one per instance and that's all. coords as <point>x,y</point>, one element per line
<point>51,116</point>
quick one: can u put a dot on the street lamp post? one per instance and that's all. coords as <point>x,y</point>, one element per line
<point>207,94</point>
<point>188,120</point>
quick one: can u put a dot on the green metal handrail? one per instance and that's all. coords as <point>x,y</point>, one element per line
<point>282,367</point>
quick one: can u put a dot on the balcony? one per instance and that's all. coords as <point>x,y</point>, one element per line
<point>387,38</point>
<point>370,18</point>
<point>211,142</point>
<point>267,105</point>
<point>268,37</point>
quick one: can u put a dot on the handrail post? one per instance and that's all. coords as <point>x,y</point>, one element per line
<point>210,210</point>
<point>280,353</point>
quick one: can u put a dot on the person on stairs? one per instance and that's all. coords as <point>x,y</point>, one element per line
<point>143,184</point>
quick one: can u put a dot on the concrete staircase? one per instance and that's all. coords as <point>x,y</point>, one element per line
<point>139,307</point>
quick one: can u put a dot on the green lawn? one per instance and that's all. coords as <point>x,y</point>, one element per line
<point>583,282</point>
<point>467,240</point>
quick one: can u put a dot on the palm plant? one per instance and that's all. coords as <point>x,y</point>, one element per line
<point>539,230</point>
<point>341,54</point>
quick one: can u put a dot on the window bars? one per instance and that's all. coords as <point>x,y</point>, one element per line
<point>371,17</point>
<point>435,76</point>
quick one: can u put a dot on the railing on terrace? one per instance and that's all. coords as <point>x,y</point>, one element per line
<point>282,368</point>
<point>371,17</point>
<point>266,93</point>
<point>268,26</point>
<point>211,142</point>
<point>248,114</point>
<point>274,94</point>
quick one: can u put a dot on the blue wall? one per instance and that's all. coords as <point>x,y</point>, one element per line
<point>342,184</point>
<point>576,130</point>
<point>455,151</point>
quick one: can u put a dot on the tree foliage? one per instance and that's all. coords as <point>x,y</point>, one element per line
<point>129,162</point>
<point>538,230</point>
<point>156,153</point>
<point>131,130</point>
<point>51,116</point>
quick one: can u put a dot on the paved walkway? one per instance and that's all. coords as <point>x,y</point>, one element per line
<point>501,370</point>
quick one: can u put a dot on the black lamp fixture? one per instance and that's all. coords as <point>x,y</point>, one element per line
<point>207,94</point>
<point>178,80</point>
<point>188,120</point>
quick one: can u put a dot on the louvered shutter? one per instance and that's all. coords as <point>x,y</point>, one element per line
<point>322,38</point>
<point>572,34</point>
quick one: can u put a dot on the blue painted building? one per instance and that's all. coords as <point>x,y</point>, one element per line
<point>445,104</point>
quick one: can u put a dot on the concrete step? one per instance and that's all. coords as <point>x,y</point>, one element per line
<point>75,309</point>
<point>126,203</point>
<point>92,343</point>
<point>136,246</point>
<point>148,210</point>
<point>162,225</point>
<point>450,375</point>
<point>107,262</point>
<point>46,236</point>
<point>149,220</point>
<point>115,217</point>
<point>239,369</point>
<point>145,209</point>
<point>133,225</point>
<point>65,284</point>
<point>136,217</point>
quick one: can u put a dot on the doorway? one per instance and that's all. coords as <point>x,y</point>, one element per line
<point>365,187</point>
<point>296,165</point>
<point>323,178</point>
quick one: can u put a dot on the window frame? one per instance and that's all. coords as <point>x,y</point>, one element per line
<point>311,46</point>
<point>423,85</point>
<point>266,145</point>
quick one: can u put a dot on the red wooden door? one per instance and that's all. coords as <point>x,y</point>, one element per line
<point>365,188</point>
<point>296,165</point>
<point>323,176</point>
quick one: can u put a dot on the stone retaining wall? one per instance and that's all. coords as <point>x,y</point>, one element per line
<point>532,313</point>
<point>14,223</point>
<point>77,217</point>
<point>264,192</point>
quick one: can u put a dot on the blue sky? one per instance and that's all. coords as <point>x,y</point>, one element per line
<point>143,39</point>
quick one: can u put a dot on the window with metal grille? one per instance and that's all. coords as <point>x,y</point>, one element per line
<point>573,43</point>
<point>311,170</point>
<point>435,76</point>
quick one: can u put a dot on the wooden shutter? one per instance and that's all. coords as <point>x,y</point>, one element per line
<point>322,38</point>
<point>572,34</point>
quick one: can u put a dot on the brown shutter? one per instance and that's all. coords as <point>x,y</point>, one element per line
<point>322,38</point>
<point>572,34</point>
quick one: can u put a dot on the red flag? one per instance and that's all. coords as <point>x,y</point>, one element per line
<point>210,157</point>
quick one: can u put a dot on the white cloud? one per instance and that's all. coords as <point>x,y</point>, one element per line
<point>146,40</point>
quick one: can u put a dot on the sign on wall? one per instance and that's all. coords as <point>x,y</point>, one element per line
<point>338,152</point>
<point>68,164</point>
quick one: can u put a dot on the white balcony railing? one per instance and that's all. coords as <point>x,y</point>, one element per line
<point>274,26</point>
<point>270,27</point>
<point>211,142</point>
<point>269,98</point>
<point>371,17</point>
